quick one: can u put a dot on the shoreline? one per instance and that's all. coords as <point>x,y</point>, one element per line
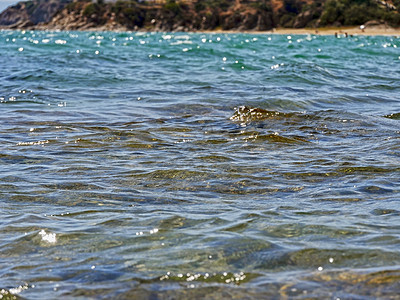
<point>368,31</point>
<point>339,31</point>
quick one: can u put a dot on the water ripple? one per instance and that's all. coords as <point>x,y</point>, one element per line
<point>207,165</point>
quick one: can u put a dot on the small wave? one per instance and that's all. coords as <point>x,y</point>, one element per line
<point>246,114</point>
<point>394,116</point>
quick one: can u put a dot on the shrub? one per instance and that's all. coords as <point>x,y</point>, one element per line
<point>90,9</point>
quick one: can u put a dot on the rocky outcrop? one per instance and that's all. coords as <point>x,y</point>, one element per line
<point>81,16</point>
<point>30,13</point>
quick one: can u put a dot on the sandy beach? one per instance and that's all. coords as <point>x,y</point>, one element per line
<point>340,31</point>
<point>382,30</point>
<point>373,30</point>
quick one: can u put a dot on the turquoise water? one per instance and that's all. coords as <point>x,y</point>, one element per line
<point>169,166</point>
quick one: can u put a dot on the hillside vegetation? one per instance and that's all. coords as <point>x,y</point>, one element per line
<point>199,15</point>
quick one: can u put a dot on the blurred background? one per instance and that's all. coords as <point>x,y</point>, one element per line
<point>6,3</point>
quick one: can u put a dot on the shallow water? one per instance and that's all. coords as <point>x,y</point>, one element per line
<point>153,165</point>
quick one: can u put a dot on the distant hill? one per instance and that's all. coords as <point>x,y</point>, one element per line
<point>195,15</point>
<point>28,13</point>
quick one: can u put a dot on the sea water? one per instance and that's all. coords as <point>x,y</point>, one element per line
<point>199,165</point>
